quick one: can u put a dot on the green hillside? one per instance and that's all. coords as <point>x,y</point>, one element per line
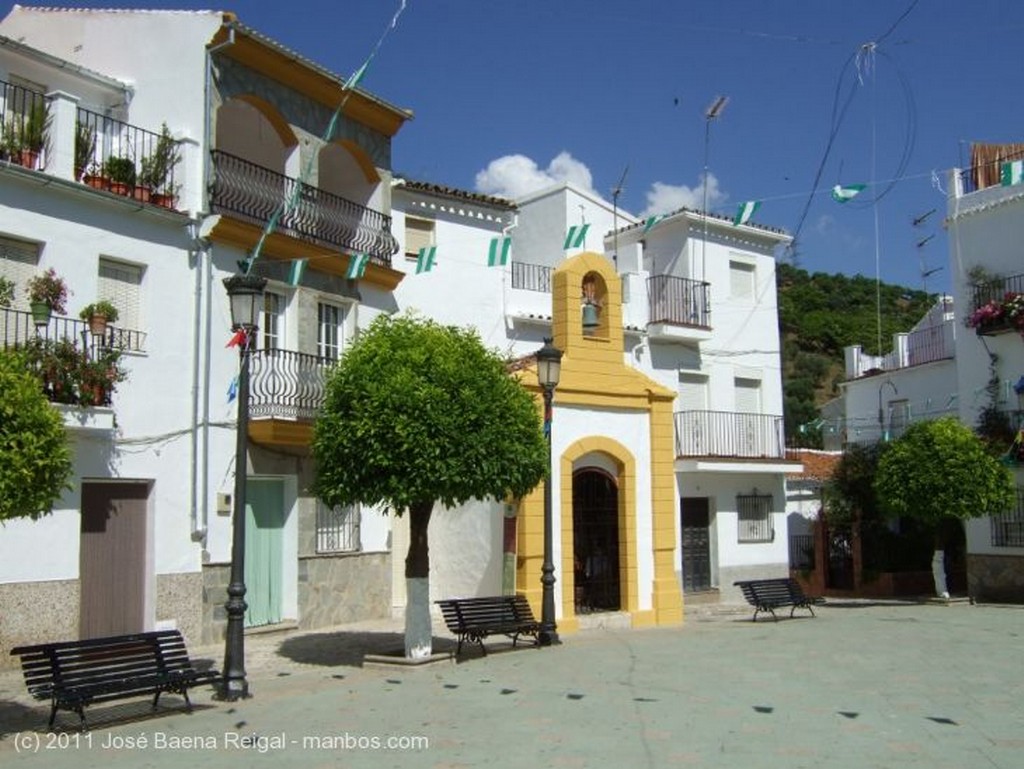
<point>819,315</point>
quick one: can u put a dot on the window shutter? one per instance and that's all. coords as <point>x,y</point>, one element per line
<point>120,284</point>
<point>419,233</point>
<point>18,262</point>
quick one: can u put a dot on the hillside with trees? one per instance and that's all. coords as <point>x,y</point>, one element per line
<point>819,315</point>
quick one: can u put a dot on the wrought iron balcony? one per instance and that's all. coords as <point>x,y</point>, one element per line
<point>254,194</point>
<point>677,301</point>
<point>729,434</point>
<point>531,277</point>
<point>17,329</point>
<point>287,385</point>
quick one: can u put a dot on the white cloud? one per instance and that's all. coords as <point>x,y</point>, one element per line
<point>664,198</point>
<point>513,176</point>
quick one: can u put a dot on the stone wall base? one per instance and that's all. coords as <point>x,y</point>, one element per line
<point>34,613</point>
<point>995,578</point>
<point>729,593</point>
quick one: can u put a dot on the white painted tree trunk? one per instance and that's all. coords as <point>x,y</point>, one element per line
<point>939,573</point>
<point>418,636</point>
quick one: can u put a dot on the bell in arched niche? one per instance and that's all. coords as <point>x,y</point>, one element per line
<point>592,301</point>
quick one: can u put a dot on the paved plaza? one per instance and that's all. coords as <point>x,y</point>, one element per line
<point>862,685</point>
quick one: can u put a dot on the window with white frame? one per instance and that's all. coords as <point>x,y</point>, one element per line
<point>693,434</point>
<point>755,517</point>
<point>1008,528</point>
<point>272,320</point>
<point>121,285</point>
<point>330,333</point>
<point>419,233</point>
<point>741,280</point>
<point>19,261</point>
<point>337,528</point>
<point>748,395</point>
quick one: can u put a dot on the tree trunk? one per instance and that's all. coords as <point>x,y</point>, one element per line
<point>418,635</point>
<point>939,573</point>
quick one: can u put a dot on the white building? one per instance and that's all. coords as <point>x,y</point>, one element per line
<point>985,221</point>
<point>144,538</point>
<point>670,398</point>
<point>712,344</point>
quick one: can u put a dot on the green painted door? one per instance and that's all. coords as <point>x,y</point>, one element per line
<point>264,551</point>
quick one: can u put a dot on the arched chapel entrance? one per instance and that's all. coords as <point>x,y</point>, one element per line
<point>595,521</point>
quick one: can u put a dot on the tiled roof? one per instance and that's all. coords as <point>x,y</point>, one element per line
<point>457,194</point>
<point>710,216</point>
<point>818,465</point>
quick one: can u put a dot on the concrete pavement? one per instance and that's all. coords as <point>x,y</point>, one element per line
<point>862,685</point>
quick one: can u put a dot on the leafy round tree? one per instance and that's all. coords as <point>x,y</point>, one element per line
<point>940,470</point>
<point>417,413</point>
<point>35,460</point>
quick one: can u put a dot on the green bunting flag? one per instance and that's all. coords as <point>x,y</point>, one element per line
<point>357,265</point>
<point>298,267</point>
<point>576,236</point>
<point>425,260</point>
<point>745,211</point>
<point>843,193</point>
<point>1013,173</point>
<point>651,221</point>
<point>497,256</point>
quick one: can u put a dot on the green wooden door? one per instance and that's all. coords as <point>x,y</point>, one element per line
<point>264,551</point>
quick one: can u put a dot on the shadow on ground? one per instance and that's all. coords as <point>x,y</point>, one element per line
<point>348,648</point>
<point>16,717</point>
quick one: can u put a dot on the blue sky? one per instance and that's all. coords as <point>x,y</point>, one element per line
<point>509,95</point>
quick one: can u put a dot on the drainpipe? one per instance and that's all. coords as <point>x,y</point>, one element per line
<point>198,250</point>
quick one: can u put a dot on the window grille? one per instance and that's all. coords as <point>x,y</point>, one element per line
<point>337,529</point>
<point>1008,528</point>
<point>755,517</point>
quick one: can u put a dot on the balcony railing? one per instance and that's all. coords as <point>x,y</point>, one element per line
<point>122,158</point>
<point>17,329</point>
<point>996,290</point>
<point>677,301</point>
<point>24,125</point>
<point>929,344</point>
<point>254,194</point>
<point>729,434</point>
<point>531,277</point>
<point>286,384</point>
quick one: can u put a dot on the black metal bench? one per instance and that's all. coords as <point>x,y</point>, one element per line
<point>73,674</point>
<point>473,619</point>
<point>771,594</point>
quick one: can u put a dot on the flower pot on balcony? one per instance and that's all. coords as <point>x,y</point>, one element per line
<point>164,200</point>
<point>98,325</point>
<point>96,182</point>
<point>41,312</point>
<point>142,193</point>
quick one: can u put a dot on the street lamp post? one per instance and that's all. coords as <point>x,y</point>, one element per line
<point>549,367</point>
<point>245,292</point>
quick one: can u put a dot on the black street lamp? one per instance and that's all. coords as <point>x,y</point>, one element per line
<point>549,367</point>
<point>245,293</point>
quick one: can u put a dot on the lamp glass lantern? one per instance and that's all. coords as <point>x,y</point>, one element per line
<point>549,364</point>
<point>245,292</point>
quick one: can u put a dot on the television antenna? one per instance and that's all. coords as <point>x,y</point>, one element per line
<point>616,191</point>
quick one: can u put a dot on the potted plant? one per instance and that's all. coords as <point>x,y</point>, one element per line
<point>47,294</point>
<point>35,125</point>
<point>157,169</point>
<point>98,378</point>
<point>98,315</point>
<point>85,146</point>
<point>6,291</point>
<point>121,173</point>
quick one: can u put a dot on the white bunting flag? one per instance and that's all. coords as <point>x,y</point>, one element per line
<point>425,260</point>
<point>357,265</point>
<point>576,237</point>
<point>497,256</point>
<point>745,211</point>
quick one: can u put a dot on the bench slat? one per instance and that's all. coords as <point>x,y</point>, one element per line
<point>770,594</point>
<point>72,674</point>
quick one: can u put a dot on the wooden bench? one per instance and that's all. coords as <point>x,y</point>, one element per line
<point>73,674</point>
<point>473,619</point>
<point>771,594</point>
